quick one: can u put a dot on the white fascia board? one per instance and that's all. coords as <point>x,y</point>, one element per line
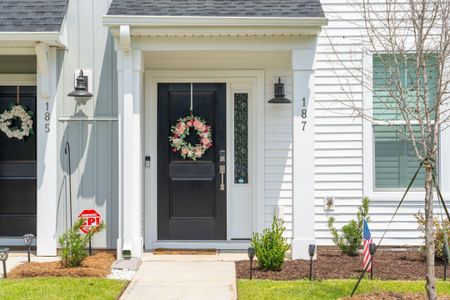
<point>52,38</point>
<point>116,20</point>
<point>147,24</point>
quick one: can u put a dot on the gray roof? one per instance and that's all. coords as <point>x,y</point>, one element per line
<point>219,8</point>
<point>32,15</point>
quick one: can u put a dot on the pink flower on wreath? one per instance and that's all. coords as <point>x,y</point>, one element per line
<point>180,128</point>
<point>198,124</point>
<point>205,141</point>
<point>189,123</point>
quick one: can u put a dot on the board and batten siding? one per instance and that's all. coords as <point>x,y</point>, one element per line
<point>90,127</point>
<point>339,149</point>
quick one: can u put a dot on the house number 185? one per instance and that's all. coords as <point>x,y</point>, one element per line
<point>304,114</point>
<point>47,117</point>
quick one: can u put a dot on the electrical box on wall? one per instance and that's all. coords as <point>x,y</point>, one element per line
<point>328,203</point>
<point>278,212</point>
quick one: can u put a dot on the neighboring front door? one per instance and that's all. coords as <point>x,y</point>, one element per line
<point>191,194</point>
<point>17,169</point>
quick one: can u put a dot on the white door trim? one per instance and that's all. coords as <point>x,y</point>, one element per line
<point>152,78</point>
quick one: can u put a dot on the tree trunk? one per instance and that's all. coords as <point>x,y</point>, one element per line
<point>429,237</point>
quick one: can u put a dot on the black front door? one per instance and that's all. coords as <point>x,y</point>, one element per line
<point>17,170</point>
<point>191,200</point>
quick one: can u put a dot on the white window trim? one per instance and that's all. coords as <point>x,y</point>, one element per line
<point>416,194</point>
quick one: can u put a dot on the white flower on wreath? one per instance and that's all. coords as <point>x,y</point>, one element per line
<point>26,118</point>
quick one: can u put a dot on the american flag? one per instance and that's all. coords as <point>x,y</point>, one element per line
<point>367,262</point>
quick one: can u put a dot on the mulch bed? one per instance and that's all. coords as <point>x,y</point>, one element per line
<point>332,264</point>
<point>98,265</point>
<point>392,296</point>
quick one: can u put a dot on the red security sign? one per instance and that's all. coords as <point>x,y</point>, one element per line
<point>91,219</point>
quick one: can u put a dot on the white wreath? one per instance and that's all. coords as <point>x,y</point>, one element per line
<point>26,119</point>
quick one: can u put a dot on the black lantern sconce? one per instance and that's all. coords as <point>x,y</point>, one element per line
<point>28,239</point>
<point>81,87</point>
<point>279,93</point>
<point>251,256</point>
<point>372,250</point>
<point>4,252</point>
<point>311,252</point>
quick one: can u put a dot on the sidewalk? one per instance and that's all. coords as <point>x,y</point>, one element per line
<point>185,277</point>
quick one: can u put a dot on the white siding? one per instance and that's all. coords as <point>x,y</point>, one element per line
<point>339,136</point>
<point>93,142</point>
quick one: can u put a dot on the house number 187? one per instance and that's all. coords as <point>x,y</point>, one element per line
<point>47,117</point>
<point>304,114</point>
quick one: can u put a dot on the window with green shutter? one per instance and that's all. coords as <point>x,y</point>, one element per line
<point>395,161</point>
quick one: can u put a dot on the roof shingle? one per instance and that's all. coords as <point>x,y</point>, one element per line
<point>219,8</point>
<point>31,15</point>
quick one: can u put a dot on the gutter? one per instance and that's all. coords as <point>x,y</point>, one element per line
<point>211,21</point>
<point>52,38</point>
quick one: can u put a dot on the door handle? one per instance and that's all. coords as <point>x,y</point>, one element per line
<point>222,169</point>
<point>222,173</point>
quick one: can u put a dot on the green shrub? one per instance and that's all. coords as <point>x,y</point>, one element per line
<point>73,244</point>
<point>270,246</point>
<point>439,229</point>
<point>352,233</point>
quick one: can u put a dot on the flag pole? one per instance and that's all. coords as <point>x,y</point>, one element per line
<point>390,221</point>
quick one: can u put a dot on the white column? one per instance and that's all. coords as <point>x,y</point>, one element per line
<point>47,150</point>
<point>130,75</point>
<point>303,65</point>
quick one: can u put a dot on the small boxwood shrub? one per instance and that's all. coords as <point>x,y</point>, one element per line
<point>73,244</point>
<point>352,233</point>
<point>270,246</point>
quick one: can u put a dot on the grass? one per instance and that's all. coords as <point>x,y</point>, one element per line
<point>61,288</point>
<point>327,289</point>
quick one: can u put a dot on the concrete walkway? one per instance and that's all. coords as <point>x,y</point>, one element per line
<point>185,277</point>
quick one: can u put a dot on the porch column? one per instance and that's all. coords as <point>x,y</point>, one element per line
<point>47,150</point>
<point>303,67</point>
<point>129,69</point>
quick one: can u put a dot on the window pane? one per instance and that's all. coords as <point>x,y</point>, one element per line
<point>241,138</point>
<point>394,82</point>
<point>395,159</point>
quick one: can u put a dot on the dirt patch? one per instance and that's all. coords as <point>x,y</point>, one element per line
<point>392,296</point>
<point>332,264</point>
<point>98,265</point>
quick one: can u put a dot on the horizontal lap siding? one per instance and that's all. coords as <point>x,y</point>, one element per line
<point>339,136</point>
<point>278,152</point>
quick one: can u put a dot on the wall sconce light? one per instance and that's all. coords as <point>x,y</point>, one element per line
<point>4,252</point>
<point>311,252</point>
<point>279,93</point>
<point>28,239</point>
<point>251,256</point>
<point>81,88</point>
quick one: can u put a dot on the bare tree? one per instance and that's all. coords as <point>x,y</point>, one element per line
<point>411,41</point>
